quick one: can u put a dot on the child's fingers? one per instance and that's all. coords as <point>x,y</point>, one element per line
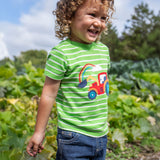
<point>35,149</point>
<point>40,148</point>
<point>29,149</point>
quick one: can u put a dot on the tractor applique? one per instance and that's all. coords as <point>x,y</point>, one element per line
<point>99,87</point>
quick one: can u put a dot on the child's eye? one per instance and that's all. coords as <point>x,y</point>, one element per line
<point>103,18</point>
<point>92,14</point>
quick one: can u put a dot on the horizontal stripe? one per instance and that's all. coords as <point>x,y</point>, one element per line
<point>100,123</point>
<point>74,92</point>
<point>54,62</point>
<point>77,52</point>
<point>90,116</point>
<point>105,126</point>
<point>82,102</point>
<point>99,109</point>
<point>87,56</point>
<point>74,97</point>
<point>65,49</point>
<point>65,45</point>
<point>88,61</point>
<point>80,124</point>
<point>82,132</point>
<point>59,58</point>
<point>69,82</point>
<point>77,73</point>
<point>83,106</point>
<point>51,72</point>
<point>55,50</point>
<point>96,49</point>
<point>54,68</point>
<point>71,87</point>
<point>80,121</point>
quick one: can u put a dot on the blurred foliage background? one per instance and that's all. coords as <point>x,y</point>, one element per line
<point>134,100</point>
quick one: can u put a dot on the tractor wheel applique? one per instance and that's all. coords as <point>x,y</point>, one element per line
<point>92,94</point>
<point>107,88</point>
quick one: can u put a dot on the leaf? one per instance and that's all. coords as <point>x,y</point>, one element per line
<point>44,155</point>
<point>152,120</point>
<point>15,154</point>
<point>136,133</point>
<point>51,139</point>
<point>12,101</point>
<point>113,97</point>
<point>144,125</point>
<point>151,99</point>
<point>128,101</point>
<point>31,123</point>
<point>26,156</point>
<point>4,155</point>
<point>3,103</point>
<point>6,116</point>
<point>31,91</point>
<point>127,109</point>
<point>16,91</point>
<point>2,92</point>
<point>7,71</point>
<point>136,111</point>
<point>119,138</point>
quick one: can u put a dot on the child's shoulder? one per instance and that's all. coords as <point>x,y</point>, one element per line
<point>62,44</point>
<point>61,49</point>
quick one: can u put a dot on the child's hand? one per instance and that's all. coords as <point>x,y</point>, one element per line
<point>35,144</point>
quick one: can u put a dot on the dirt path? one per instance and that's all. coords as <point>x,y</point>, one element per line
<point>149,156</point>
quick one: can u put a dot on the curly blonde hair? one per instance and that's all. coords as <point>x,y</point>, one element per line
<point>66,10</point>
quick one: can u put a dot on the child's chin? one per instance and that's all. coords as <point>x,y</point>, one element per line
<point>90,40</point>
<point>93,40</point>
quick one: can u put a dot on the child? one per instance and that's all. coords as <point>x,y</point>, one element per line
<point>76,77</point>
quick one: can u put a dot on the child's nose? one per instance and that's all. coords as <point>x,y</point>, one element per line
<point>97,22</point>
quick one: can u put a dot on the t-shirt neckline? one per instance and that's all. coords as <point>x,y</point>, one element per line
<point>83,45</point>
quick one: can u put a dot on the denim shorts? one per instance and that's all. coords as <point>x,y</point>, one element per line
<point>76,146</point>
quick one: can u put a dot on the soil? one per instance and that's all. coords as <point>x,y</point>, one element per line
<point>149,156</point>
<point>145,153</point>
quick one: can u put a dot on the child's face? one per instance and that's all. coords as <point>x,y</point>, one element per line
<point>88,22</point>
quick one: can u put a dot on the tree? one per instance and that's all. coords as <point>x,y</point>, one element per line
<point>140,39</point>
<point>142,33</point>
<point>111,40</point>
<point>5,60</point>
<point>154,35</point>
<point>38,58</point>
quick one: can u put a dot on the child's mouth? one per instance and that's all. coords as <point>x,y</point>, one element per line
<point>93,32</point>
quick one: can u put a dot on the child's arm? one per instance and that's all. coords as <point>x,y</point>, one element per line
<point>48,97</point>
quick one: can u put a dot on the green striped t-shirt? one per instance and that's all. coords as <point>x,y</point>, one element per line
<point>82,97</point>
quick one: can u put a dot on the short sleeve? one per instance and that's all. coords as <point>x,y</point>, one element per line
<point>56,65</point>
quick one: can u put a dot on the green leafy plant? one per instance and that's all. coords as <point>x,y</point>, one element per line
<point>134,113</point>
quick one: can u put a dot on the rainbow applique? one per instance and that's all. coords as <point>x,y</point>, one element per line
<point>83,71</point>
<point>99,86</point>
